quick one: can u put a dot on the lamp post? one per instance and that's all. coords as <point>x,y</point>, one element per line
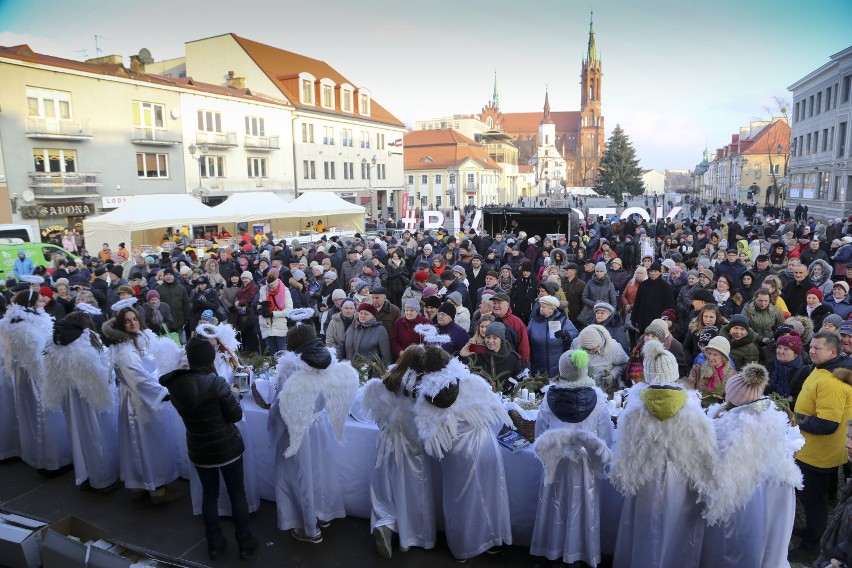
<point>202,150</point>
<point>367,164</point>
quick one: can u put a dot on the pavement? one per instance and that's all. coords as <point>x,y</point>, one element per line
<point>172,530</point>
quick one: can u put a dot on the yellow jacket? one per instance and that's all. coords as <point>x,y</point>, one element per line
<point>825,396</point>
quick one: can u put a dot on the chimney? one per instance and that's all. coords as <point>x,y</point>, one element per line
<point>236,82</point>
<point>106,60</point>
<point>136,65</point>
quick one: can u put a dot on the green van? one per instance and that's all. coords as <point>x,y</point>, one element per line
<point>40,253</point>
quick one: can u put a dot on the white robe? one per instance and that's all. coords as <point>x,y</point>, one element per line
<point>149,451</point>
<point>79,380</point>
<point>568,517</point>
<point>475,496</point>
<point>10,442</point>
<point>307,485</point>
<point>401,482</point>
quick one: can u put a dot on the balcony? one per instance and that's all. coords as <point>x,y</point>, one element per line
<point>216,139</point>
<point>471,187</point>
<point>55,129</point>
<point>49,185</point>
<point>154,136</point>
<point>262,142</point>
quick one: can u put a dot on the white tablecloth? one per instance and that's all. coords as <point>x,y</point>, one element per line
<point>357,458</point>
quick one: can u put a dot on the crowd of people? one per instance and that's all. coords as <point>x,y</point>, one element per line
<point>731,337</point>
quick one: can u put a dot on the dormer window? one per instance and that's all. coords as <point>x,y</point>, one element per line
<point>327,93</point>
<point>306,88</point>
<point>363,103</point>
<point>346,98</point>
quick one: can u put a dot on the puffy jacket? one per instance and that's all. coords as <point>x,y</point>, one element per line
<point>744,350</point>
<point>275,326</point>
<point>762,322</point>
<point>827,397</point>
<point>366,340</point>
<point>209,411</point>
<point>615,326</point>
<point>545,349</point>
<point>336,330</point>
<point>819,314</point>
<point>593,293</point>
<point>174,294</point>
<point>572,405</point>
<point>843,308</point>
<point>823,283</point>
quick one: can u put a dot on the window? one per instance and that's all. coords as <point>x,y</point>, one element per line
<point>831,139</point>
<point>824,139</point>
<point>42,103</point>
<point>816,142</point>
<point>438,179</point>
<point>148,115</point>
<point>438,201</point>
<point>471,179</point>
<point>828,98</point>
<point>365,139</point>
<point>347,101</point>
<point>365,170</point>
<point>796,112</point>
<point>308,133</point>
<point>212,166</point>
<point>810,106</point>
<point>452,179</point>
<point>424,180</point>
<point>255,126</point>
<point>310,169</point>
<point>365,104</point>
<point>836,193</point>
<point>819,102</point>
<point>380,171</point>
<point>257,168</point>
<point>348,170</point>
<point>307,91</point>
<point>410,180</point>
<point>841,140</point>
<point>328,169</point>
<point>152,165</point>
<point>327,96</point>
<point>847,86</point>
<point>54,161</point>
<point>209,121</point>
<point>328,135</point>
<point>808,145</point>
<point>822,185</point>
<point>380,141</point>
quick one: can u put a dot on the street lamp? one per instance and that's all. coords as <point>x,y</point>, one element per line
<point>366,165</point>
<point>202,150</point>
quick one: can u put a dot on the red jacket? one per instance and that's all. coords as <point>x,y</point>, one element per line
<point>403,334</point>
<point>517,324</point>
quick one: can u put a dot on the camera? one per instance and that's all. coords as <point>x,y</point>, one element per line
<point>263,309</point>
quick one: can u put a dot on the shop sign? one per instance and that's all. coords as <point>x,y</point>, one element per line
<point>64,210</point>
<point>113,201</point>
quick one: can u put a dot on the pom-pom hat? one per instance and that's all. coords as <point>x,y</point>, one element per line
<point>658,366</point>
<point>747,385</point>
<point>791,341</point>
<point>574,365</point>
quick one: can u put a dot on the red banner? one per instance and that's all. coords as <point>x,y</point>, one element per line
<point>404,205</point>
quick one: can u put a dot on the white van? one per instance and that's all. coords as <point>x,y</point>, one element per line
<point>23,232</point>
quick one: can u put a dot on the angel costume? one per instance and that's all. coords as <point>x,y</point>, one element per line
<point>455,414</point>
<point>664,463</point>
<point>10,441</point>
<point>754,507</point>
<point>401,485</point>
<point>79,380</point>
<point>225,363</point>
<point>148,448</point>
<point>43,433</point>
<point>314,393</point>
<point>573,434</point>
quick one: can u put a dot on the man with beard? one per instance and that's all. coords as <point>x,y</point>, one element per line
<point>652,299</point>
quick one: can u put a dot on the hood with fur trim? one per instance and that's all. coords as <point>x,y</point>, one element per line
<point>827,271</point>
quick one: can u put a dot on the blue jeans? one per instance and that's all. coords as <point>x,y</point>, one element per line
<point>275,343</point>
<point>233,476</point>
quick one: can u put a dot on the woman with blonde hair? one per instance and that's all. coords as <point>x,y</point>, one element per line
<point>478,337</point>
<point>773,284</point>
<point>709,315</point>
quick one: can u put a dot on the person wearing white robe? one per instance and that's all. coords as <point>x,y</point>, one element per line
<point>26,329</point>
<point>80,381</point>
<point>751,512</point>
<point>10,441</point>
<point>314,393</point>
<point>664,464</point>
<point>148,449</point>
<point>573,433</point>
<point>401,482</point>
<point>455,414</point>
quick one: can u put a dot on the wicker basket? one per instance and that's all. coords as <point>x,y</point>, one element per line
<point>525,428</point>
<point>259,399</point>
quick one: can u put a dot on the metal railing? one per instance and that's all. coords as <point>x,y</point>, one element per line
<point>53,127</point>
<point>216,138</point>
<point>50,183</point>
<point>146,135</point>
<point>262,142</point>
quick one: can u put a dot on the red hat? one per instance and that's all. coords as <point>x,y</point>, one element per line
<point>247,247</point>
<point>368,307</point>
<point>421,276</point>
<point>46,291</point>
<point>669,315</point>
<point>792,341</point>
<point>816,292</point>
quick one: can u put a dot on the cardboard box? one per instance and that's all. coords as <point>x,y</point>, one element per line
<point>64,543</point>
<point>20,541</point>
<point>123,555</point>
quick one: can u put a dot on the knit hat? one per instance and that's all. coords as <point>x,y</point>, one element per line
<point>47,291</point>
<point>497,329</point>
<point>117,270</point>
<point>792,340</point>
<point>816,292</point>
<point>185,270</point>
<point>668,315</point>
<point>152,294</point>
<point>298,275</point>
<point>721,345</point>
<point>747,385</point>
<point>412,304</point>
<point>526,266</point>
<point>338,294</point>
<point>551,301</point>
<point>590,337</point>
<point>658,328</point>
<point>604,306</point>
<point>550,287</point>
<point>432,302</point>
<point>655,266</point>
<point>669,263</point>
<point>842,284</point>
<point>706,272</point>
<point>421,276</point>
<point>448,309</point>
<point>574,365</point>
<point>739,320</point>
<point>834,320</point>
<point>455,298</point>
<point>600,266</point>
<point>368,307</point>
<point>704,295</point>
<point>429,291</point>
<point>459,269</point>
<point>200,352</point>
<point>659,366</point>
<point>706,334</point>
<point>330,274</point>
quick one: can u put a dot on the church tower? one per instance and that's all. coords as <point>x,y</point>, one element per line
<point>546,128</point>
<point>591,136</point>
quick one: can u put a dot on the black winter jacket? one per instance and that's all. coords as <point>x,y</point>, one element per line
<point>572,405</point>
<point>209,411</point>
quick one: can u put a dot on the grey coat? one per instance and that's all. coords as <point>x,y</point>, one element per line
<point>368,340</point>
<point>594,293</point>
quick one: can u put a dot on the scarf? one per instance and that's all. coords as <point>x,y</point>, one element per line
<point>721,297</point>
<point>601,281</point>
<point>781,375</point>
<point>156,318</point>
<point>277,299</point>
<point>718,375</point>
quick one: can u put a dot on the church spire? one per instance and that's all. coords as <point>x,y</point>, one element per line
<point>495,98</point>
<point>546,118</point>
<point>591,52</point>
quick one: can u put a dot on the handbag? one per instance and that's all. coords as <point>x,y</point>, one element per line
<point>173,335</point>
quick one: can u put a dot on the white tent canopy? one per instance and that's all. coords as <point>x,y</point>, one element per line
<point>148,216</point>
<point>321,203</point>
<point>252,206</point>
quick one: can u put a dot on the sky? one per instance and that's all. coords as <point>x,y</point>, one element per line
<point>679,75</point>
